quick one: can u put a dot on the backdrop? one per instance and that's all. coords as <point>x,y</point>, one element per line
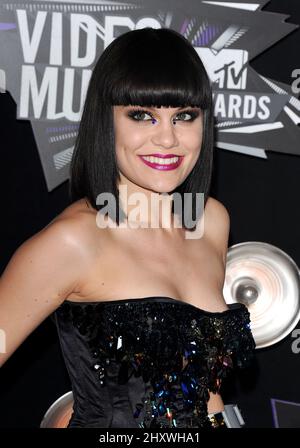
<point>261,195</point>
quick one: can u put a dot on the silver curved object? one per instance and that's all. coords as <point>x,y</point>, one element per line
<point>230,417</point>
<point>59,413</point>
<point>267,281</point>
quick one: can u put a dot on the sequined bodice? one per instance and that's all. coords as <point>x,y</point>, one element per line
<point>149,362</point>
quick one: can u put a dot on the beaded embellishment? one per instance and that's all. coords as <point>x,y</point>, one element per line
<point>180,351</point>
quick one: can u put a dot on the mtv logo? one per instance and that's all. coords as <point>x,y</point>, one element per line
<point>227,68</point>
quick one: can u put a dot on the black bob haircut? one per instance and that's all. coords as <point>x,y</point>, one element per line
<point>145,67</point>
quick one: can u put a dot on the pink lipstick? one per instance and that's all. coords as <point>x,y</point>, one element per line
<point>167,161</point>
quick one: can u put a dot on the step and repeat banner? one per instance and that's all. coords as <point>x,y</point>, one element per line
<point>49,48</point>
<point>47,53</point>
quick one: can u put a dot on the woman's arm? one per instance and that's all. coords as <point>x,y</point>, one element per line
<point>218,227</point>
<point>218,233</point>
<point>43,271</point>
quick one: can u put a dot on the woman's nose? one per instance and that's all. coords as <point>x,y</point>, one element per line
<point>164,134</point>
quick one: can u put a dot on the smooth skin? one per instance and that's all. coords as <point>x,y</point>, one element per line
<point>73,259</point>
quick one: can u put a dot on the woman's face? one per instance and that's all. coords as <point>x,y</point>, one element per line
<point>144,136</point>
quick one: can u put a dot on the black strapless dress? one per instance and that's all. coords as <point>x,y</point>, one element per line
<point>149,362</point>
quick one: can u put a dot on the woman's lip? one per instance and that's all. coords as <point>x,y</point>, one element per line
<point>157,166</point>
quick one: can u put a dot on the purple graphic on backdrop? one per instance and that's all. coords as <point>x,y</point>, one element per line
<point>49,49</point>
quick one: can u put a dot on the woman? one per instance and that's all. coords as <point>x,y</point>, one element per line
<point>145,332</point>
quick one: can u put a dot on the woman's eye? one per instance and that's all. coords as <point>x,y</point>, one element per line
<point>139,115</point>
<point>187,116</point>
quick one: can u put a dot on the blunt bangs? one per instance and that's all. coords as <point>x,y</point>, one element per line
<point>162,69</point>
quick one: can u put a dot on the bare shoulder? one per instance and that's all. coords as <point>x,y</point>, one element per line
<point>58,227</point>
<point>215,209</point>
<point>76,224</point>
<point>217,225</point>
<point>42,272</point>
<point>80,212</point>
<point>59,239</point>
<point>59,252</point>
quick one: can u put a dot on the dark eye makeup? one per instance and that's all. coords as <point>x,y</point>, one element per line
<point>138,113</point>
